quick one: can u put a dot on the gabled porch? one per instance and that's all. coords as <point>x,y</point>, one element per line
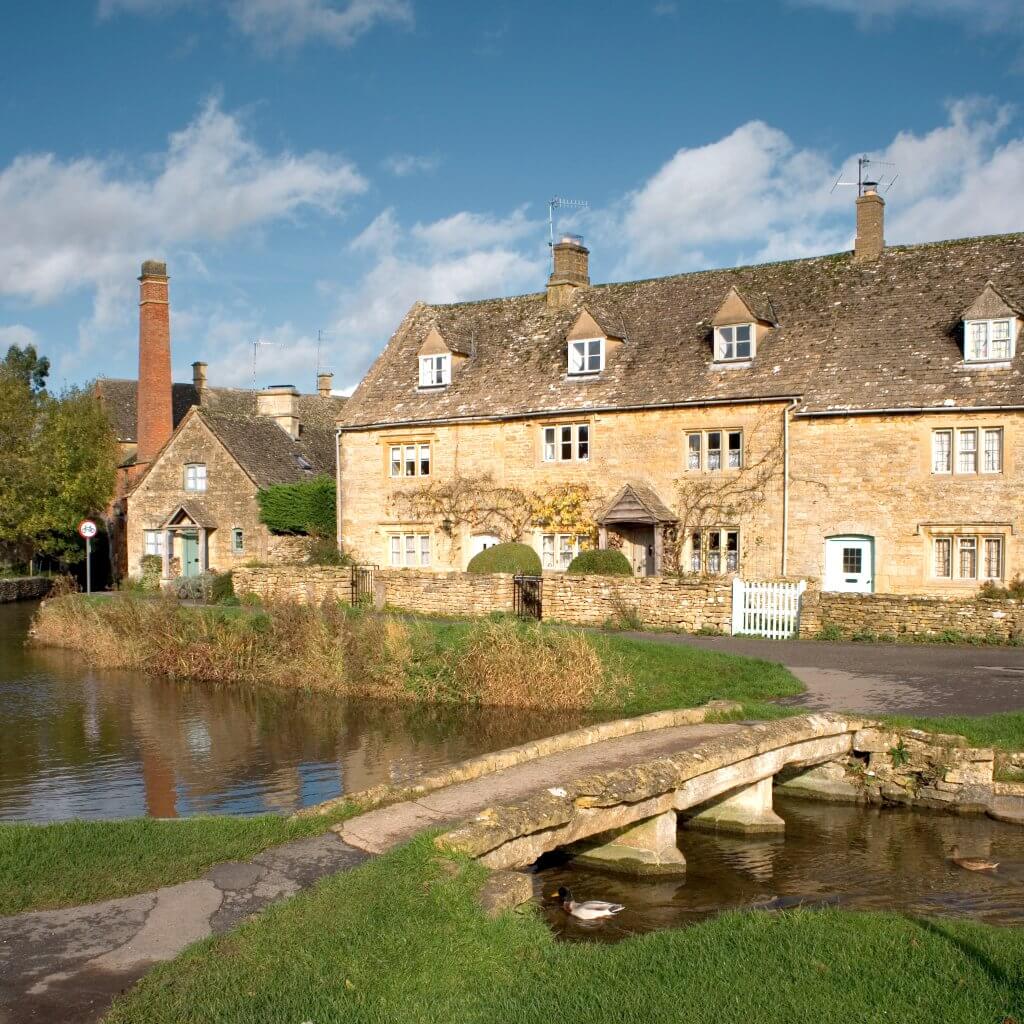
<point>186,540</point>
<point>632,522</point>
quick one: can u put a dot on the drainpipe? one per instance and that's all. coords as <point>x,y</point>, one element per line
<point>337,485</point>
<point>785,483</point>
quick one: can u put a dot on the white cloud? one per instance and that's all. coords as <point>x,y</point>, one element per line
<point>67,224</point>
<point>287,24</point>
<point>464,231</point>
<point>985,15</point>
<point>17,334</point>
<point>402,165</point>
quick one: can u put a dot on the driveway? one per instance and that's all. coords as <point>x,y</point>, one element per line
<point>918,679</point>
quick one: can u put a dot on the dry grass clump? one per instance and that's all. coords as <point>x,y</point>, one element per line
<point>515,664</point>
<point>378,653</point>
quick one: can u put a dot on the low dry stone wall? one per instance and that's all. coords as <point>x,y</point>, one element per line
<point>871,616</point>
<point>24,588</point>
<point>658,602</point>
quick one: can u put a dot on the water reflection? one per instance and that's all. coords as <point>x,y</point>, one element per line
<point>831,855</point>
<point>81,743</point>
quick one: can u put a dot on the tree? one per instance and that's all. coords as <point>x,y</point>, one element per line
<point>27,365</point>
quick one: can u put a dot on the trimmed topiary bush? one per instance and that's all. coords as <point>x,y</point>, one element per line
<point>601,562</point>
<point>514,558</point>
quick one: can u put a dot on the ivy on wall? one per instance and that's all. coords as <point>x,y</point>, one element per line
<point>306,508</point>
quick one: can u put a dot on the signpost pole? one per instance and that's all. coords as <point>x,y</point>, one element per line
<point>88,566</point>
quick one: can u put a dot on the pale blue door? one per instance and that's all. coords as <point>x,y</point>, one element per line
<point>190,554</point>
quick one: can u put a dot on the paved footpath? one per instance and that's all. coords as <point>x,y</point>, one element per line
<point>68,965</point>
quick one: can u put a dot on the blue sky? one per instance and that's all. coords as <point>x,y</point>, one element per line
<point>312,166</point>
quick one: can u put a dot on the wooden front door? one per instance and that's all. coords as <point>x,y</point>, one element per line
<point>641,541</point>
<point>190,554</point>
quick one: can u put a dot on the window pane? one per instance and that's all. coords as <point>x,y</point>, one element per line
<point>583,441</point>
<point>695,552</point>
<point>549,444</point>
<point>853,560</point>
<point>425,550</point>
<point>693,451</point>
<point>725,344</point>
<point>732,551</point>
<point>943,557</point>
<point>1001,339</point>
<point>594,355</point>
<point>977,346</point>
<point>396,550</point>
<point>424,371</point>
<point>577,357</point>
<point>548,550</point>
<point>396,461</point>
<point>743,332</point>
<point>715,551</point>
<point>993,451</point>
<point>237,540</point>
<point>942,451</point>
<point>410,460</point>
<point>968,458</point>
<point>735,449</point>
<point>968,558</point>
<point>566,443</point>
<point>715,450</point>
<point>424,460</point>
<point>410,549</point>
<point>566,550</point>
<point>993,558</point>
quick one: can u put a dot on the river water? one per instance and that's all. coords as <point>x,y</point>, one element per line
<point>77,742</point>
<point>858,858</point>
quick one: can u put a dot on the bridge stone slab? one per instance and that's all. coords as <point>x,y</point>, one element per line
<point>650,848</point>
<point>746,811</point>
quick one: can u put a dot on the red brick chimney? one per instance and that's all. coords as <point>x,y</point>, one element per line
<point>155,416</point>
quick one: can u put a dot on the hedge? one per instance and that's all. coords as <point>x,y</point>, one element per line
<point>514,558</point>
<point>601,562</point>
<point>304,508</point>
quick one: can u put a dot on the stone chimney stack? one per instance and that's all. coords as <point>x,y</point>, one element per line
<point>324,383</point>
<point>279,402</point>
<point>199,379</point>
<point>153,401</point>
<point>572,270</point>
<point>870,224</point>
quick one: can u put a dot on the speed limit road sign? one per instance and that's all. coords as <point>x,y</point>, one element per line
<point>87,529</point>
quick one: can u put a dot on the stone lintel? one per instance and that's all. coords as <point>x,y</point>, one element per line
<point>649,848</point>
<point>747,810</point>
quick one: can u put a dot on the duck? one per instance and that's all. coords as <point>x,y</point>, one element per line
<point>588,910</point>
<point>972,863</point>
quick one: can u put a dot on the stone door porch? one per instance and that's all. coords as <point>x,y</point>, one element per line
<point>186,521</point>
<point>632,522</point>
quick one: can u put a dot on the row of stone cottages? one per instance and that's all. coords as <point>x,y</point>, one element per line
<point>853,419</point>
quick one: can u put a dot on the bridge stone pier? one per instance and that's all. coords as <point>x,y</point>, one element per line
<point>626,819</point>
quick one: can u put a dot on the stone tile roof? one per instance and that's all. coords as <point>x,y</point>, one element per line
<point>850,337</point>
<point>634,496</point>
<point>120,398</point>
<point>196,511</point>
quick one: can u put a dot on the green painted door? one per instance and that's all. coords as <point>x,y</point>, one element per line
<point>190,554</point>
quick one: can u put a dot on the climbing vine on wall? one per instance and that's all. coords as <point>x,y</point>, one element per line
<point>566,508</point>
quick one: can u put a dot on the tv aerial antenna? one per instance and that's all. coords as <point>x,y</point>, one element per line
<point>876,175</point>
<point>256,346</point>
<point>559,203</point>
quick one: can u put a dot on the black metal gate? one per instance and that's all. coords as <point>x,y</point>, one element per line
<point>362,584</point>
<point>528,596</point>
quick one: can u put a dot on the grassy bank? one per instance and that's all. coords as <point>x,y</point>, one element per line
<point>402,940</point>
<point>1004,731</point>
<point>498,661</point>
<point>69,863</point>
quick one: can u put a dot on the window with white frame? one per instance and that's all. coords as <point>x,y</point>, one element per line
<point>409,550</point>
<point>435,371</point>
<point>733,343</point>
<point>586,356</point>
<point>237,541</point>
<point>409,459</point>
<point>195,477</point>
<point>153,541</point>
<point>967,450</point>
<point>557,550</point>
<point>990,340</point>
<point>967,558</point>
<point>714,551</point>
<point>714,449</point>
<point>566,442</point>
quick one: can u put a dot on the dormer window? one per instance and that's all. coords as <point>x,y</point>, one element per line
<point>989,340</point>
<point>586,356</point>
<point>734,343</point>
<point>435,371</point>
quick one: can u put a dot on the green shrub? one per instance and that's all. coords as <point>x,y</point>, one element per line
<point>601,562</point>
<point>514,558</point>
<point>221,588</point>
<point>306,508</point>
<point>325,551</point>
<point>1013,590</point>
<point>250,599</point>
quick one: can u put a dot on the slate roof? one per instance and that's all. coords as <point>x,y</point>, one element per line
<point>885,334</point>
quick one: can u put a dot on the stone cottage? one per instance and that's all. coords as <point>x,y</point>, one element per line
<point>193,457</point>
<point>856,418</point>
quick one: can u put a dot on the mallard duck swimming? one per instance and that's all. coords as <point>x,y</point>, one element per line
<point>588,910</point>
<point>972,863</point>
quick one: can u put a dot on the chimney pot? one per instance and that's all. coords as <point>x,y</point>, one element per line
<point>154,412</point>
<point>324,383</point>
<point>870,225</point>
<point>571,270</point>
<point>199,377</point>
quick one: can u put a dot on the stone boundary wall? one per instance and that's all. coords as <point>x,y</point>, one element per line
<point>660,602</point>
<point>24,588</point>
<point>893,615</point>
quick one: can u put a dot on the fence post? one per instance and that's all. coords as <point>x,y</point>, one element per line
<point>737,605</point>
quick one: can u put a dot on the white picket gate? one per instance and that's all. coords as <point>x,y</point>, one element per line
<point>771,610</point>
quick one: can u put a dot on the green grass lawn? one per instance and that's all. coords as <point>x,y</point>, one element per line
<point>1004,731</point>
<point>68,863</point>
<point>400,940</point>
